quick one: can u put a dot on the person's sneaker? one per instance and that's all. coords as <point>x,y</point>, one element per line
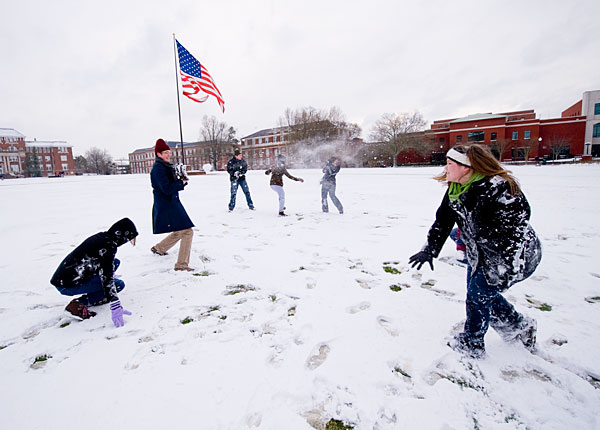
<point>473,349</point>
<point>156,251</point>
<point>79,310</point>
<point>282,213</point>
<point>184,269</point>
<point>252,208</point>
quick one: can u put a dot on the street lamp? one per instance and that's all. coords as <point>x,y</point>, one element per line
<point>539,143</point>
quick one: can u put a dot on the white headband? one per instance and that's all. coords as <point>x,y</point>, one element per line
<point>457,157</point>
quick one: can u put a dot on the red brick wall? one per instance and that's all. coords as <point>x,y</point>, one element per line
<point>574,110</point>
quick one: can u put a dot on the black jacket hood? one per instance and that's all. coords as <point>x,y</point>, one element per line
<point>122,231</point>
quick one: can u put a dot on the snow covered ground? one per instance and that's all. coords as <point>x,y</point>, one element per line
<point>296,321</point>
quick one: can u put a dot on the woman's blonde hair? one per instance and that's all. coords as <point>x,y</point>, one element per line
<point>483,161</point>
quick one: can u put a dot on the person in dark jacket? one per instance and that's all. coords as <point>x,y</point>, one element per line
<point>168,214</point>
<point>490,209</point>
<point>276,182</point>
<point>328,185</point>
<point>89,270</point>
<point>237,168</point>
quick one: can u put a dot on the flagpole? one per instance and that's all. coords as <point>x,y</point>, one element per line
<point>178,104</point>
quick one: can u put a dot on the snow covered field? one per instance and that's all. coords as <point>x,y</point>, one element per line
<point>295,322</point>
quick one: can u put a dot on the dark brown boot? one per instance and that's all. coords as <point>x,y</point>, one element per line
<point>79,310</point>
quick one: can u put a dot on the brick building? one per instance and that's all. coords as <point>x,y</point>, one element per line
<point>519,134</point>
<point>196,154</point>
<point>12,152</point>
<point>261,148</point>
<point>54,157</point>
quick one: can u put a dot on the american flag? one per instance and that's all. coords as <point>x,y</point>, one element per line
<point>195,78</point>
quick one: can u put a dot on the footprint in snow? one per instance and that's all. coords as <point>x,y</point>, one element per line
<point>387,325</point>
<point>316,360</point>
<point>358,308</point>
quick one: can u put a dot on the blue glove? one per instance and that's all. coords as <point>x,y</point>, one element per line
<point>117,313</point>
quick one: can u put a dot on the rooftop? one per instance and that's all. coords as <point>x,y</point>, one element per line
<point>11,132</point>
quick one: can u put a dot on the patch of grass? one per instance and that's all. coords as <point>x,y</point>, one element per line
<point>237,289</point>
<point>399,370</point>
<point>595,299</point>
<point>292,311</point>
<point>544,307</point>
<point>222,317</point>
<point>187,320</point>
<point>429,283</point>
<point>65,324</point>
<point>461,382</point>
<point>203,273</point>
<point>41,358</point>
<point>392,270</point>
<point>337,425</point>
<point>396,287</point>
<point>2,347</point>
<point>273,297</point>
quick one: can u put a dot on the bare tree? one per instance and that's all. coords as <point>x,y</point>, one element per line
<point>526,146</point>
<point>558,146</point>
<point>316,134</point>
<point>398,132</point>
<point>98,161</point>
<point>500,146</point>
<point>219,138</point>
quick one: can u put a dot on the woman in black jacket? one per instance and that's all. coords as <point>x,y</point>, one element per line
<point>490,209</point>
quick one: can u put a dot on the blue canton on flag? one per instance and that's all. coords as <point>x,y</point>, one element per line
<point>195,78</point>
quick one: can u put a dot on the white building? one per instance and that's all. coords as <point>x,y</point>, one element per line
<point>591,110</point>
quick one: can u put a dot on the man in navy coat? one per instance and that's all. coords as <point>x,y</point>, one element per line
<point>168,214</point>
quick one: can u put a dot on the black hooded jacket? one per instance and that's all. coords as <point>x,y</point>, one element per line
<point>95,256</point>
<point>494,225</point>
<point>234,165</point>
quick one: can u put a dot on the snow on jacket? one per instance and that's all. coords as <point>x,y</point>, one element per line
<point>330,170</point>
<point>234,165</point>
<point>95,256</point>
<point>168,214</point>
<point>277,173</point>
<point>495,227</point>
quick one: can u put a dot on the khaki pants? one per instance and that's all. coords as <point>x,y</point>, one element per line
<point>183,259</point>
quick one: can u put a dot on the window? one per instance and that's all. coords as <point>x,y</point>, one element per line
<point>597,109</point>
<point>527,134</point>
<point>476,136</point>
<point>459,138</point>
<point>493,136</point>
<point>63,158</point>
<point>515,135</point>
<point>65,167</point>
<point>442,139</point>
<point>597,130</point>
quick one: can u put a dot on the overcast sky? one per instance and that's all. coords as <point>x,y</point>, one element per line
<point>102,73</point>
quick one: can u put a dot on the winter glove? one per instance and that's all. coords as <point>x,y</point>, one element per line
<point>117,313</point>
<point>421,258</point>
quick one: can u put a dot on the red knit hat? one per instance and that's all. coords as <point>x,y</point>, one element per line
<point>161,146</point>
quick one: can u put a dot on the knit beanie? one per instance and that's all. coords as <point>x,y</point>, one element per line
<point>161,146</point>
